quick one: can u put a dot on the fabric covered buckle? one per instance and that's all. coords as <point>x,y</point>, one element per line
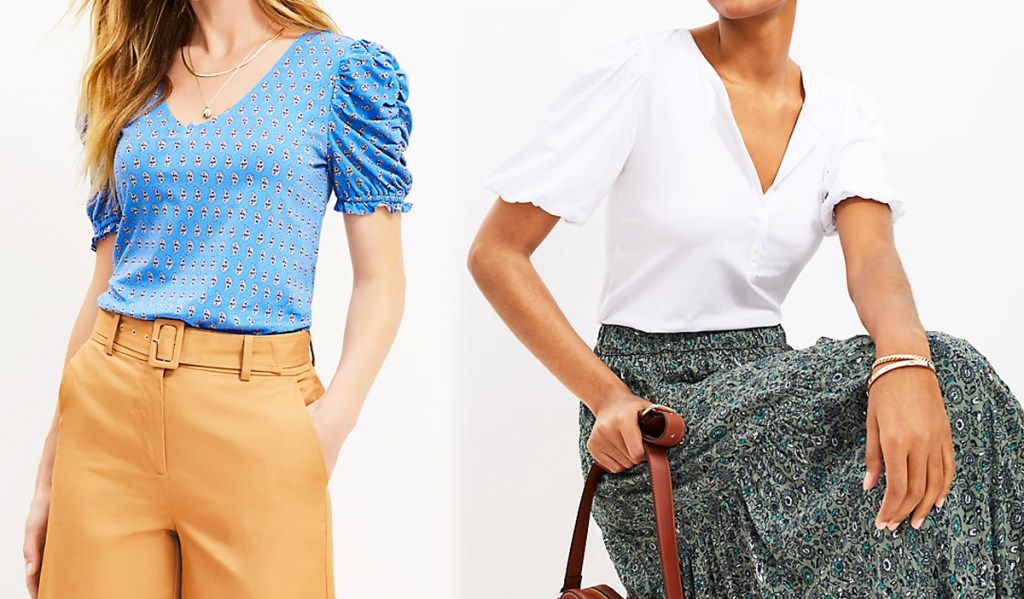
<point>165,343</point>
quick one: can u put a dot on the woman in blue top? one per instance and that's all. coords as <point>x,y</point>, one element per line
<point>182,457</point>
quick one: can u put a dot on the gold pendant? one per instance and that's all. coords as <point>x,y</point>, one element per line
<point>206,112</point>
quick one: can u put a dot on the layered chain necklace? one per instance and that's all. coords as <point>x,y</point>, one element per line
<point>207,112</point>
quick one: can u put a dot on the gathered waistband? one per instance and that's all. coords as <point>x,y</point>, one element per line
<point>614,339</point>
<point>169,343</point>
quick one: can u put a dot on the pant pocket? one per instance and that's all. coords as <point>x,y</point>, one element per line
<point>308,388</point>
<point>68,381</point>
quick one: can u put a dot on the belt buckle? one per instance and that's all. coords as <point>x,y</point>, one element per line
<point>177,332</point>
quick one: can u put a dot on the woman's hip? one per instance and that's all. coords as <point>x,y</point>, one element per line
<point>157,402</point>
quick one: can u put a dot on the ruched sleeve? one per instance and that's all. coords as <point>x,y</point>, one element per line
<point>369,129</point>
<point>103,207</point>
<point>574,154</point>
<point>857,165</point>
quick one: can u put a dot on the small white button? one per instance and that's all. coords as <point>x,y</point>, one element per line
<point>762,211</point>
<point>757,250</point>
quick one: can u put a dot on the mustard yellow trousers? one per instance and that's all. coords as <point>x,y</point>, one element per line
<point>187,467</point>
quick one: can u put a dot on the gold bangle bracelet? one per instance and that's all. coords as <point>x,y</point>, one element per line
<point>659,407</point>
<point>893,366</point>
<point>894,357</point>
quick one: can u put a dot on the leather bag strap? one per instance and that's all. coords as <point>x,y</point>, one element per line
<point>661,429</point>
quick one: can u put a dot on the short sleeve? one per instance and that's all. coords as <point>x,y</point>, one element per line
<point>578,148</point>
<point>369,130</point>
<point>104,212</point>
<point>103,207</point>
<point>857,165</point>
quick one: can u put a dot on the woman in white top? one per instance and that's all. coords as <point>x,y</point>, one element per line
<point>725,164</point>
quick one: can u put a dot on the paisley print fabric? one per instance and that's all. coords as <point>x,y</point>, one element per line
<point>218,222</point>
<point>768,482</point>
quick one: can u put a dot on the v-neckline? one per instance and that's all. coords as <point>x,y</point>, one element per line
<point>801,139</point>
<point>179,124</point>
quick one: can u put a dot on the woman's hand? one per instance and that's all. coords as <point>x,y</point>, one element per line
<point>333,423</point>
<point>616,442</point>
<point>908,428</point>
<point>334,419</point>
<point>35,535</point>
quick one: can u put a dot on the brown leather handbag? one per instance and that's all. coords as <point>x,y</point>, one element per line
<point>661,428</point>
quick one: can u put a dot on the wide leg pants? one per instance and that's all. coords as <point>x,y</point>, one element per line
<point>187,466</point>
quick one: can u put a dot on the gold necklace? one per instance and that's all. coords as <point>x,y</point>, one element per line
<point>245,61</point>
<point>207,111</point>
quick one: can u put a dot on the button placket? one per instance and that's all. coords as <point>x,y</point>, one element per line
<point>757,247</point>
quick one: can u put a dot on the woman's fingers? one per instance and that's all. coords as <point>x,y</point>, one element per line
<point>603,458</point>
<point>872,453</point>
<point>616,442</point>
<point>32,554</point>
<point>633,443</point>
<point>617,446</point>
<point>610,463</point>
<point>895,484</point>
<point>917,482</point>
<point>616,438</point>
<point>932,489</point>
<point>948,469</point>
<point>605,452</point>
<point>35,541</point>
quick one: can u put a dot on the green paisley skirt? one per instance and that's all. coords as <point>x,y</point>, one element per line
<point>768,481</point>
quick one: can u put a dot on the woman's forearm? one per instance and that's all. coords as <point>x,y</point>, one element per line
<point>500,263</point>
<point>509,281</point>
<point>80,332</point>
<point>881,293</point>
<point>374,314</point>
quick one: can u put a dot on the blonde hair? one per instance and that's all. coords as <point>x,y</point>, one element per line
<point>133,44</point>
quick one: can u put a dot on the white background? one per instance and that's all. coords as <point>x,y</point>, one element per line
<point>463,472</point>
<point>392,489</point>
<point>948,77</point>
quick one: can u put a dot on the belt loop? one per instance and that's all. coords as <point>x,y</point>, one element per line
<point>109,345</point>
<point>312,356</point>
<point>247,341</point>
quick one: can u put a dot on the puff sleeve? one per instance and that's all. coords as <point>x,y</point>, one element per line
<point>104,213</point>
<point>578,148</point>
<point>368,131</point>
<point>857,165</point>
<point>103,208</point>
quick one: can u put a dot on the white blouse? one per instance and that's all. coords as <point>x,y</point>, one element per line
<point>693,244</point>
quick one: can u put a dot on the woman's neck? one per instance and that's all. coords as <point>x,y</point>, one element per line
<point>225,26</point>
<point>756,49</point>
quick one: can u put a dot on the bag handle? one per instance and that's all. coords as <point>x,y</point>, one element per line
<point>661,427</point>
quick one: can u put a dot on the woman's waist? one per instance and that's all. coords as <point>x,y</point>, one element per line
<point>620,339</point>
<point>224,310</point>
<point>169,342</point>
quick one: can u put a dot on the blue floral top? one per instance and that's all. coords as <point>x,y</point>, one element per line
<point>218,222</point>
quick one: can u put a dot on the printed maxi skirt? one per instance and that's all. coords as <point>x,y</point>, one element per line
<point>768,481</point>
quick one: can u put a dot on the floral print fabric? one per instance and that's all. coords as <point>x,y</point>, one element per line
<point>768,481</point>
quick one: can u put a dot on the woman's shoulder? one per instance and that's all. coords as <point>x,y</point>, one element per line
<point>664,51</point>
<point>653,42</point>
<point>639,53</point>
<point>837,101</point>
<point>353,66</point>
<point>342,49</point>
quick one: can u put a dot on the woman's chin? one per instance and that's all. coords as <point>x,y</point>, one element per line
<point>735,10</point>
